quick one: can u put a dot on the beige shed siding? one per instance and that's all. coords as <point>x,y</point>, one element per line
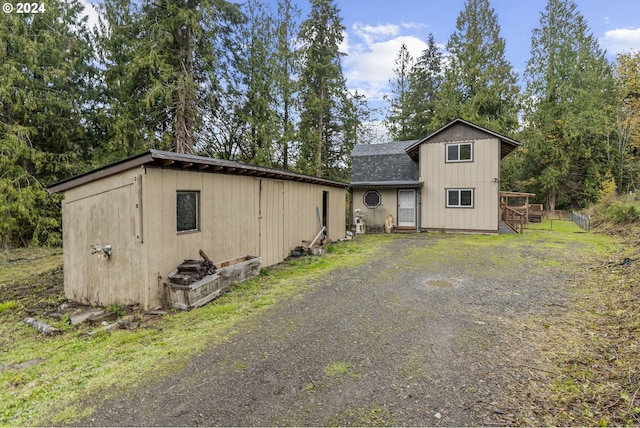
<point>104,212</point>
<point>135,212</point>
<point>481,175</point>
<point>239,216</point>
<point>377,216</point>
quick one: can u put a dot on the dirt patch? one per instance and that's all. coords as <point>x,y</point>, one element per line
<point>386,343</point>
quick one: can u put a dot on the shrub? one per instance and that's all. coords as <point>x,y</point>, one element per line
<point>624,212</point>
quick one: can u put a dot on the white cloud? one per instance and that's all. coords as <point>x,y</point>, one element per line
<point>621,40</point>
<point>371,52</point>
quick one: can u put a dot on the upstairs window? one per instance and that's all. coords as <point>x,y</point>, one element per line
<point>460,152</point>
<point>188,211</point>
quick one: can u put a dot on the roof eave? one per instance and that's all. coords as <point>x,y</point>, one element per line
<point>162,159</point>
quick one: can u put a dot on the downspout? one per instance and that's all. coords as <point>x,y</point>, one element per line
<point>418,204</point>
<point>351,220</point>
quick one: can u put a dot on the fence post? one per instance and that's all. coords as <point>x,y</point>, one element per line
<point>582,220</point>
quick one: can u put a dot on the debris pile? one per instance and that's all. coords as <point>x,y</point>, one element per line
<point>191,271</point>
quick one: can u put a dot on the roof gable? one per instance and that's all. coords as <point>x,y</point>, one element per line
<point>461,130</point>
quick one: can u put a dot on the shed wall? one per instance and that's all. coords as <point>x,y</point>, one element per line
<point>482,175</point>
<point>135,212</point>
<point>104,212</point>
<point>240,215</point>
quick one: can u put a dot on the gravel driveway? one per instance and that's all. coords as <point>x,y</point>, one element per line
<point>427,332</point>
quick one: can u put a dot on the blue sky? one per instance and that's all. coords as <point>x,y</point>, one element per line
<point>375,30</point>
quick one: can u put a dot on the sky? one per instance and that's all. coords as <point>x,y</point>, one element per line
<point>375,30</point>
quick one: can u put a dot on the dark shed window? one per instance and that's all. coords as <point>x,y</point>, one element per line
<point>372,199</point>
<point>188,211</point>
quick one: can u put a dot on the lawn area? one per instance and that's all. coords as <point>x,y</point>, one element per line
<point>586,348</point>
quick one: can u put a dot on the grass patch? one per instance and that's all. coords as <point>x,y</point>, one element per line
<point>78,368</point>
<point>338,369</point>
<point>590,353</point>
<point>22,264</point>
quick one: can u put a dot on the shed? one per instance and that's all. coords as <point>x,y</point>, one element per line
<point>158,208</point>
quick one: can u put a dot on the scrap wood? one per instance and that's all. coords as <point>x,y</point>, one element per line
<point>41,327</point>
<point>322,229</point>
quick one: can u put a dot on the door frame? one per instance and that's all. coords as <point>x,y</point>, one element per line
<point>413,224</point>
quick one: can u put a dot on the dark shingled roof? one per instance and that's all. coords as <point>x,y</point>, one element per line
<point>384,165</point>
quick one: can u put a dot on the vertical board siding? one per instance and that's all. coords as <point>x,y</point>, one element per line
<point>103,214</point>
<point>482,175</point>
<point>236,219</point>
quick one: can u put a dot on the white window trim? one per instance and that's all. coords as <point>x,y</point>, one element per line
<point>446,152</point>
<point>460,198</point>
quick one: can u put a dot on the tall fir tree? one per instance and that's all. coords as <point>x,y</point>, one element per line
<point>569,99</point>
<point>45,102</point>
<point>162,76</point>
<point>323,94</point>
<point>425,81</point>
<point>626,152</point>
<point>286,72</point>
<point>401,111</point>
<point>255,66</point>
<point>479,83</point>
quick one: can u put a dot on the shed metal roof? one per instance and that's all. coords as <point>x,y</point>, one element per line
<point>171,160</point>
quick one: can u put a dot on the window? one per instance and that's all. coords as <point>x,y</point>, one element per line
<point>372,199</point>
<point>460,152</point>
<point>459,198</point>
<point>188,215</point>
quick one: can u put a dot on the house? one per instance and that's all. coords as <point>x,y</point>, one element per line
<point>447,181</point>
<point>153,210</point>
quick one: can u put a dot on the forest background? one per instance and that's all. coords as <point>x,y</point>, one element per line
<point>260,83</point>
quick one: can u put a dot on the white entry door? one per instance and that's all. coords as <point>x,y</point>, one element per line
<point>406,208</point>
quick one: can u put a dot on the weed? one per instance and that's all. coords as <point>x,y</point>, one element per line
<point>6,306</point>
<point>119,310</point>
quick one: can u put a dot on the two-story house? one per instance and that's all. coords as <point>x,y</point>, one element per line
<point>447,181</point>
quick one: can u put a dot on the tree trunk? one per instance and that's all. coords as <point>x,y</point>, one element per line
<point>184,120</point>
<point>551,199</point>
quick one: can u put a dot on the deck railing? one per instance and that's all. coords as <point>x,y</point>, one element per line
<point>513,218</point>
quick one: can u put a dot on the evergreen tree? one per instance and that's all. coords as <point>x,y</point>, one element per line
<point>323,94</point>
<point>626,156</point>
<point>286,71</point>
<point>569,93</point>
<point>162,75</point>
<point>479,83</point>
<point>44,103</point>
<point>402,112</point>
<point>256,69</point>
<point>425,81</point>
